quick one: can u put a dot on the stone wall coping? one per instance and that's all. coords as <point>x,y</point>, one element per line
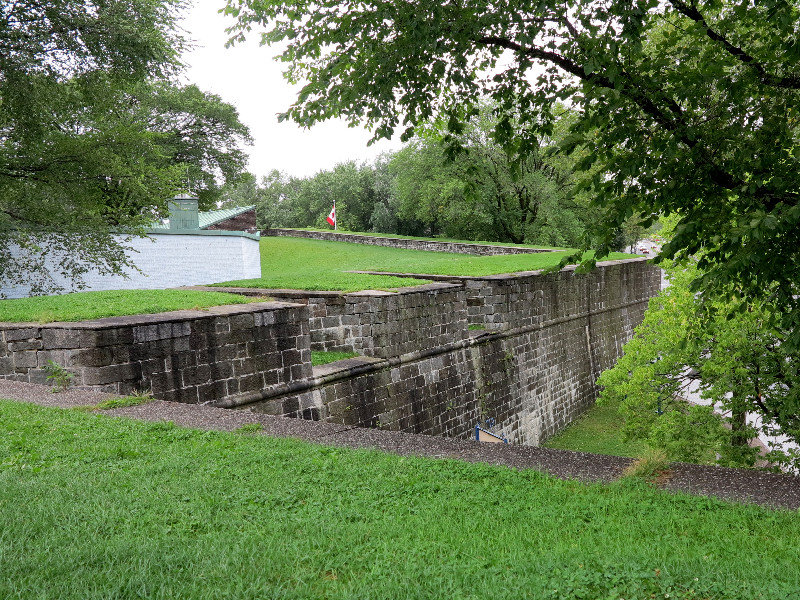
<point>283,292</point>
<point>151,319</point>
<point>500,276</point>
<point>156,231</point>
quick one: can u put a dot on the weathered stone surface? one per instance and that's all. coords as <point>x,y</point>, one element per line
<point>528,373</point>
<point>185,356</point>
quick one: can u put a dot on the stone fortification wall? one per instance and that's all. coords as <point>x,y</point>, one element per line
<point>187,356</point>
<point>378,323</point>
<point>529,371</point>
<point>392,242</point>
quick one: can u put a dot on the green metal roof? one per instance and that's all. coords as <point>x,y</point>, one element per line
<point>211,217</point>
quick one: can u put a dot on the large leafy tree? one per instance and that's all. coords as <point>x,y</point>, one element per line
<point>94,137</point>
<point>685,106</point>
<point>481,194</point>
<point>729,352</point>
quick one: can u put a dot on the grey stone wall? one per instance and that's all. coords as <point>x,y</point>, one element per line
<point>378,323</point>
<point>393,242</point>
<point>531,372</point>
<point>187,356</point>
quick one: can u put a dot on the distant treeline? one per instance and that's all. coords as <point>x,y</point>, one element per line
<point>462,187</point>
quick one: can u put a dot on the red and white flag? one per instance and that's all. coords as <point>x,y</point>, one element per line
<point>332,217</point>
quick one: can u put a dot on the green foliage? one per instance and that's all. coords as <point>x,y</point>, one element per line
<point>95,136</point>
<point>686,108</point>
<point>649,466</point>
<point>734,350</point>
<point>323,358</point>
<point>482,193</point>
<point>135,399</point>
<point>83,306</point>
<point>60,377</point>
<point>95,499</point>
<point>305,264</point>
<point>250,428</point>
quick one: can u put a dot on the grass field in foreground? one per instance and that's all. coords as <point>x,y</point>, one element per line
<point>93,507</point>
<point>298,263</point>
<point>95,305</point>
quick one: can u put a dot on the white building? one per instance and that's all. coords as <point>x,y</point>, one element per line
<point>175,254</point>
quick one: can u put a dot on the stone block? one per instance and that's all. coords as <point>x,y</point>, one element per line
<point>91,357</point>
<point>6,365</point>
<point>145,333</point>
<point>54,339</point>
<point>26,359</point>
<point>35,344</point>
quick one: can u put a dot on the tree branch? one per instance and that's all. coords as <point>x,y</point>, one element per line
<point>691,12</point>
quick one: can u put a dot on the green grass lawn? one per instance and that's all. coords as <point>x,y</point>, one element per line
<point>96,508</point>
<point>94,305</point>
<point>598,430</point>
<point>305,264</point>
<point>323,358</point>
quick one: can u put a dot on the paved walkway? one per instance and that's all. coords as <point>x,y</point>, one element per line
<point>742,485</point>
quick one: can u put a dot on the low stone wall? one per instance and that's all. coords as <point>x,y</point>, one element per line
<point>187,356</point>
<point>377,323</point>
<point>392,242</point>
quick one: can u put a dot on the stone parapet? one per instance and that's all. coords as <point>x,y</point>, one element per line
<point>187,356</point>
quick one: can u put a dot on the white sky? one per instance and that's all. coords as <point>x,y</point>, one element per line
<point>247,77</point>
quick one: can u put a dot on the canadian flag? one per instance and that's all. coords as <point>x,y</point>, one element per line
<point>332,217</point>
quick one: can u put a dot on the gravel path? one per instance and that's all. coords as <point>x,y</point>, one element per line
<point>742,485</point>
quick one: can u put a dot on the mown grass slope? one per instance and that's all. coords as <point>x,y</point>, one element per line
<point>93,507</point>
<point>82,306</point>
<point>298,263</point>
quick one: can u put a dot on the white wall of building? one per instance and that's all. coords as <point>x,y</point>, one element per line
<point>172,260</point>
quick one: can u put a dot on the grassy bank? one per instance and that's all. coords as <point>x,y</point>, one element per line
<point>598,430</point>
<point>92,507</point>
<point>95,305</point>
<point>298,263</point>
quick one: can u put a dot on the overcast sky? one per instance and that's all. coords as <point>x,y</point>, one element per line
<point>247,77</point>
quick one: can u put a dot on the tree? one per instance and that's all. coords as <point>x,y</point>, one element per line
<point>198,132</point>
<point>93,136</point>
<point>479,194</point>
<point>731,351</point>
<point>684,107</point>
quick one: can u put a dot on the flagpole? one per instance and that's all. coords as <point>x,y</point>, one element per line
<point>335,216</point>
